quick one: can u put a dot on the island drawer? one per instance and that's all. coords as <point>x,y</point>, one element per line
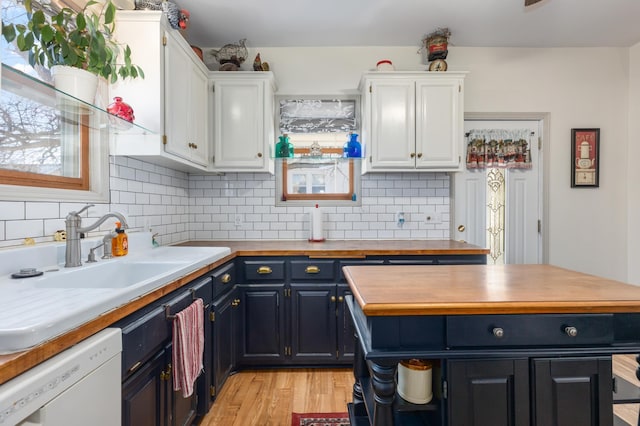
<point>306,270</point>
<point>263,270</point>
<point>529,330</point>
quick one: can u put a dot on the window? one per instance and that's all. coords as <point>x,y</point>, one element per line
<point>40,145</point>
<point>318,128</point>
<point>50,149</point>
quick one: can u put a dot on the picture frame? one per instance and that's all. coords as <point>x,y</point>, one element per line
<point>585,158</point>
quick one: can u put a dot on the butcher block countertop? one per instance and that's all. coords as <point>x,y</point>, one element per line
<point>12,365</point>
<point>344,248</point>
<point>486,289</point>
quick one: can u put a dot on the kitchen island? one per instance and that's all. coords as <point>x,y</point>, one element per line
<point>511,345</point>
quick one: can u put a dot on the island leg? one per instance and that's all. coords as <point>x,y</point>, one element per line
<point>359,371</point>
<point>384,390</point>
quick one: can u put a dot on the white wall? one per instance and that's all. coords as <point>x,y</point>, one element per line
<point>633,190</point>
<point>587,226</point>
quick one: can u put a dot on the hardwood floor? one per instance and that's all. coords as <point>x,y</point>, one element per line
<point>268,397</point>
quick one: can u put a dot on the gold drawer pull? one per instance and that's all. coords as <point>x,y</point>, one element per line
<point>263,270</point>
<point>225,278</point>
<point>312,269</point>
<point>333,298</point>
<point>135,366</point>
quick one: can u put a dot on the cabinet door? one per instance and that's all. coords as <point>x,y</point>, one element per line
<point>439,123</point>
<point>238,124</point>
<point>224,338</point>
<point>261,335</point>
<point>489,392</point>
<point>182,411</point>
<point>197,119</point>
<point>573,392</point>
<point>346,330</point>
<point>144,394</point>
<point>313,322</point>
<point>393,133</point>
<point>177,90</point>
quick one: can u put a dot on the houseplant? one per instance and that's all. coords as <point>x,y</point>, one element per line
<point>78,39</point>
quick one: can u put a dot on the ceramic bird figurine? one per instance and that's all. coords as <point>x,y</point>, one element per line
<point>236,53</point>
<point>257,63</point>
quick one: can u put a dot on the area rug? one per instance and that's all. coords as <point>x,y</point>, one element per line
<point>319,419</point>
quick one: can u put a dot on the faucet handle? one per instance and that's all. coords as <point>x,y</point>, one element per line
<point>92,256</point>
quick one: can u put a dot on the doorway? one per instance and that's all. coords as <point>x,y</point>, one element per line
<point>500,206</point>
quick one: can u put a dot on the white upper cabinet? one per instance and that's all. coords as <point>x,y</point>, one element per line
<point>242,107</point>
<point>171,100</point>
<point>413,121</point>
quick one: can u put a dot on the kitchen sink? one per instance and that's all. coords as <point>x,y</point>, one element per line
<point>36,309</point>
<point>108,275</point>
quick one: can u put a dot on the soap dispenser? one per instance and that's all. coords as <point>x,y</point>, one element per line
<point>120,243</point>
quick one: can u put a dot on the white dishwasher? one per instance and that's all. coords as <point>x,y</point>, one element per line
<point>78,387</point>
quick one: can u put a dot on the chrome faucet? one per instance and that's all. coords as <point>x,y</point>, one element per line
<point>73,223</point>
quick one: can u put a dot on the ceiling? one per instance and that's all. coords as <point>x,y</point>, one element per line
<point>495,23</point>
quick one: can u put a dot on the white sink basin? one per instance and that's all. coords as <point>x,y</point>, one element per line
<point>108,275</point>
<point>33,310</point>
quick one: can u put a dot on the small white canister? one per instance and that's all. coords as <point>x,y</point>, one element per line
<point>414,380</point>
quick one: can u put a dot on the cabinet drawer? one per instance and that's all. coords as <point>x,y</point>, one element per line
<point>320,270</point>
<point>142,336</point>
<point>344,263</point>
<point>223,279</point>
<point>260,271</point>
<point>529,330</point>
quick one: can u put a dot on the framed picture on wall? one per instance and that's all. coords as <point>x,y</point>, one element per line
<point>585,153</point>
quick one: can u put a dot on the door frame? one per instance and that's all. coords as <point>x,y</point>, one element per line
<point>544,117</point>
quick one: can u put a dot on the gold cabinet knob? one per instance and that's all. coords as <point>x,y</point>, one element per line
<point>225,278</point>
<point>312,269</point>
<point>263,270</point>
<point>461,228</point>
<point>413,154</point>
<point>333,298</point>
<point>235,302</point>
<point>340,299</point>
<point>259,155</point>
<point>419,155</point>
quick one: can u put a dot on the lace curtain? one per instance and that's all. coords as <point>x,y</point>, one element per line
<point>499,148</point>
<point>318,116</point>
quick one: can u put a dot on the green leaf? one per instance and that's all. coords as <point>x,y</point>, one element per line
<point>109,13</point>
<point>38,18</point>
<point>8,32</point>
<point>47,34</point>
<point>81,22</point>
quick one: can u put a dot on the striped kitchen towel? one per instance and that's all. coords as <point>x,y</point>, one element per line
<point>188,347</point>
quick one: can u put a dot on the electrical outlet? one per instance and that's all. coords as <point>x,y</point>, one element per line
<point>237,220</point>
<point>400,219</point>
<point>432,217</point>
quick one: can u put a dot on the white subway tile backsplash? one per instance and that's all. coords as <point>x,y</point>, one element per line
<point>180,206</point>
<point>11,210</point>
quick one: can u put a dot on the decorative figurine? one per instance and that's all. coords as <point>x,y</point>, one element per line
<point>436,45</point>
<point>121,109</point>
<point>231,53</point>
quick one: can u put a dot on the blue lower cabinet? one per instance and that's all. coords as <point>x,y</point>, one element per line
<point>261,335</point>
